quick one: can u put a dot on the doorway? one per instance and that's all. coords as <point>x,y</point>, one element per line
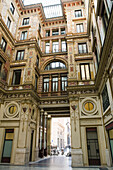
<point>7,148</point>
<point>31,146</point>
<point>93,147</point>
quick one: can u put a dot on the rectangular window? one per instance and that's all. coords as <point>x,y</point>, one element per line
<point>78,13</point>
<point>24,35</point>
<point>47,47</point>
<point>37,61</point>
<point>36,80</point>
<point>105,98</point>
<point>63,45</point>
<point>55,46</point>
<point>47,33</point>
<point>82,48</point>
<point>20,55</point>
<point>55,84</point>
<point>79,28</point>
<point>63,83</point>
<point>12,8</point>
<point>85,71</point>
<point>55,32</point>
<point>25,21</point>
<point>46,84</point>
<point>3,44</point>
<point>39,27</point>
<point>0,66</point>
<point>63,31</point>
<point>8,22</point>
<point>16,77</point>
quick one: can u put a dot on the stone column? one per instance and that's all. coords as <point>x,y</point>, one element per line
<point>50,49</point>
<point>60,48</point>
<point>49,135</point>
<point>37,135</point>
<point>76,151</point>
<point>41,152</point>
<point>45,132</point>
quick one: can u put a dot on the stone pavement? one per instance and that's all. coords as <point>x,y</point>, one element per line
<point>51,163</point>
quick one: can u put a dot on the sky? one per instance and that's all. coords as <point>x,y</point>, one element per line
<point>44,2</point>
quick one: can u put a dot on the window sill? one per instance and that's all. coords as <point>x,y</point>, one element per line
<point>79,18</point>
<point>25,26</point>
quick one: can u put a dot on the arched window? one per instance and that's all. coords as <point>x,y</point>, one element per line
<point>55,65</point>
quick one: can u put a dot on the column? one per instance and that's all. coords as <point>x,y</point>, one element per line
<point>50,31</point>
<point>60,48</point>
<point>37,135</point>
<point>45,134</point>
<point>49,135</point>
<point>76,151</point>
<point>50,49</point>
<point>41,143</point>
<point>59,85</point>
<point>50,85</point>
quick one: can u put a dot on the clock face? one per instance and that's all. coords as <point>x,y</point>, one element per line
<point>89,106</point>
<point>12,109</point>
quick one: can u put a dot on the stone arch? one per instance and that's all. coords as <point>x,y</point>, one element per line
<point>53,59</point>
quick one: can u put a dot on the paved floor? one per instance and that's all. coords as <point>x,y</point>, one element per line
<point>51,163</point>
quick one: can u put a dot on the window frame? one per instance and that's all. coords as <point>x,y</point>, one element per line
<point>46,90</point>
<point>55,50</point>
<point>84,64</point>
<point>14,77</point>
<point>55,83</point>
<point>63,81</point>
<point>12,8</point>
<point>3,47</point>
<point>80,24</point>
<point>47,45</point>
<point>24,36</point>
<point>26,21</point>
<point>8,22</point>
<point>77,14</point>
<point>82,51</point>
<point>20,51</point>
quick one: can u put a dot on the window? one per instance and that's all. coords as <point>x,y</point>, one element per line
<point>36,80</point>
<point>85,71</point>
<point>105,98</point>
<point>37,61</point>
<point>12,8</point>
<point>55,84</point>
<point>47,47</point>
<point>80,28</point>
<point>39,27</point>
<point>55,65</point>
<point>55,46</point>
<point>16,77</point>
<point>63,31</point>
<point>8,22</point>
<point>24,35</point>
<point>46,84</point>
<point>20,55</point>
<point>82,48</point>
<point>63,45</point>
<point>47,33</point>
<point>55,32</point>
<point>63,83</point>
<point>25,21</point>
<point>3,44</point>
<point>78,13</point>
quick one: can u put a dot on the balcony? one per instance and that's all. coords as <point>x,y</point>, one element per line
<point>48,94</point>
<point>55,52</point>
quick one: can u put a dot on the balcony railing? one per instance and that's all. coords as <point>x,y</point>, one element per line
<point>56,51</point>
<point>47,94</point>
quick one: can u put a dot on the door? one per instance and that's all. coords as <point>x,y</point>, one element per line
<point>7,148</point>
<point>93,147</point>
<point>31,146</point>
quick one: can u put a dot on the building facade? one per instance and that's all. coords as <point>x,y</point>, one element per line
<point>52,65</point>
